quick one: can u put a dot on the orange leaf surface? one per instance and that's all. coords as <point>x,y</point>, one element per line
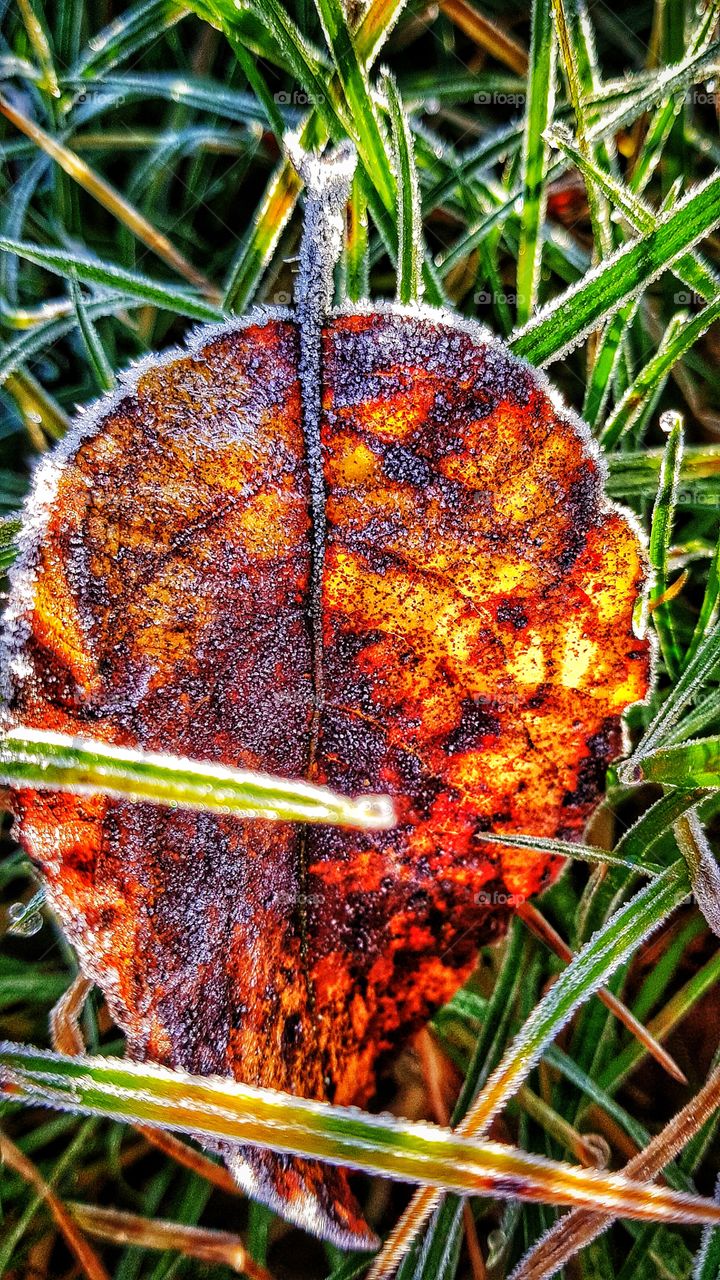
<point>420,590</point>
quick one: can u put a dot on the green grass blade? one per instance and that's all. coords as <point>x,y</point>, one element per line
<point>660,541</point>
<point>217,1108</point>
<point>588,971</point>
<point>410,246</point>
<point>91,271</point>
<point>680,337</point>
<point>687,688</point>
<point>48,761</point>
<point>356,263</point>
<point>284,187</point>
<point>710,608</point>
<point>137,27</point>
<point>99,363</point>
<point>364,124</point>
<point>567,320</point>
<point>538,113</point>
<point>690,764</point>
<point>568,19</point>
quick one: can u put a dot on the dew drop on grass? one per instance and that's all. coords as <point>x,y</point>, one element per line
<point>25,918</point>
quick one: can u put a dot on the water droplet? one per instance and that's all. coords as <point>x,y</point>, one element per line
<point>25,918</point>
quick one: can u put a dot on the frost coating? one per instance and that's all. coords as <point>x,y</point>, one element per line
<point>368,547</point>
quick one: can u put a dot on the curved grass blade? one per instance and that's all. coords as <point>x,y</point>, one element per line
<point>199,92</point>
<point>212,1107</point>
<point>32,342</point>
<point>567,320</point>
<point>660,539</point>
<point>538,113</point>
<point>578,1229</point>
<point>410,248</point>
<point>590,969</point>
<point>127,34</point>
<point>108,197</point>
<point>48,761</point>
<point>92,271</point>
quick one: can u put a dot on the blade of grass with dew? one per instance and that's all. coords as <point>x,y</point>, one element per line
<point>680,1004</point>
<point>702,867</point>
<point>505,142</point>
<point>367,132</point>
<point>49,761</point>
<point>566,321</point>
<point>590,969</point>
<point>43,417</point>
<point>439,1249</point>
<point>365,128</point>
<point>212,1108</point>
<point>127,34</point>
<point>282,193</point>
<point>710,608</point>
<point>578,1229</point>
<point>92,271</point>
<point>618,108</point>
<point>692,764</point>
<point>568,849</point>
<point>99,363</point>
<point>33,342</point>
<point>661,528</point>
<point>192,91</point>
<point>578,76</point>
<point>356,267</point>
<point>688,686</point>
<point>633,475</point>
<point>108,197</point>
<point>662,123</point>
<point>538,113</point>
<point>410,248</point>
<point>692,269</point>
